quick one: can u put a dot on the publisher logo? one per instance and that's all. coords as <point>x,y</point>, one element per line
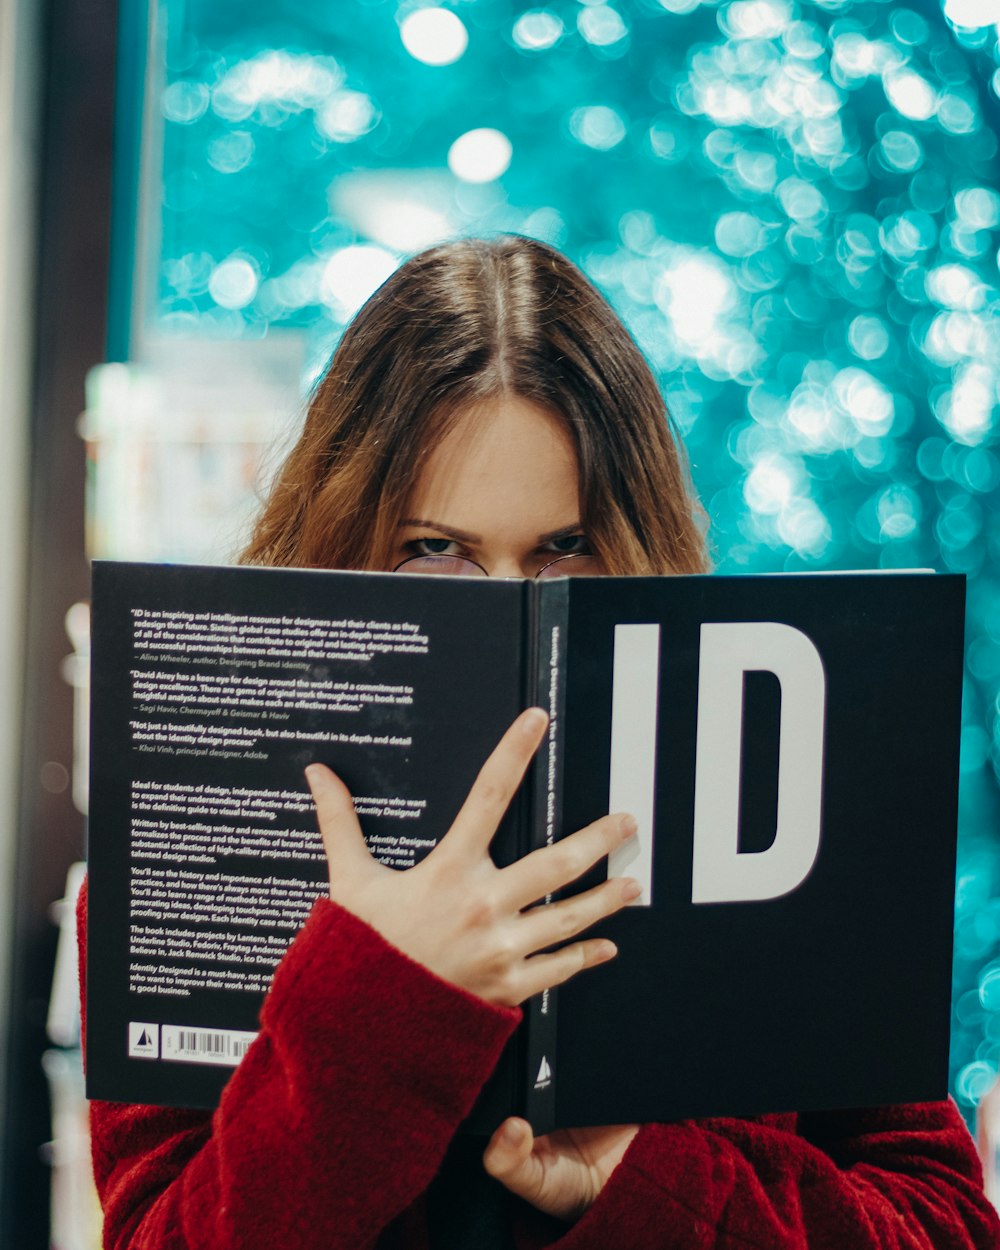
<point>143,1041</point>
<point>544,1077</point>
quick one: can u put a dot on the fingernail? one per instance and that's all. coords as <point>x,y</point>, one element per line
<point>533,720</point>
<point>607,951</point>
<point>314,775</point>
<point>513,1133</point>
<point>628,825</point>
<point>630,890</point>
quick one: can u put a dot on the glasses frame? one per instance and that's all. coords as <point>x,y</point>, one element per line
<point>572,555</point>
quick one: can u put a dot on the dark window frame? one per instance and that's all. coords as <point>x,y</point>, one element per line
<point>73,219</point>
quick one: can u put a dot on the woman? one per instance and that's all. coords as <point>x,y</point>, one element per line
<point>487,407</point>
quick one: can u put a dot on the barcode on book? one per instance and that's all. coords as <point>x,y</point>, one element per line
<point>192,1045</point>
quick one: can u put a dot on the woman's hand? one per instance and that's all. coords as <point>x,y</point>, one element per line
<point>457,913</point>
<point>561,1173</point>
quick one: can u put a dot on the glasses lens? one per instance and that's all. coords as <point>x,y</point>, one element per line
<point>444,566</point>
<point>571,566</point>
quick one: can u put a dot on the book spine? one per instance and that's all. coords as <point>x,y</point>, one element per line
<point>547,660</point>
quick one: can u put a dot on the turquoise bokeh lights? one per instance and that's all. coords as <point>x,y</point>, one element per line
<point>794,207</point>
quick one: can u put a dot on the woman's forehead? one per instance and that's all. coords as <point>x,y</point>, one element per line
<point>502,467</point>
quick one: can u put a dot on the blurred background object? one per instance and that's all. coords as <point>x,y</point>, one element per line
<point>56,83</point>
<point>793,205</point>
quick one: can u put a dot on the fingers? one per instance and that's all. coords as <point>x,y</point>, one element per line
<point>497,783</point>
<point>508,1156</point>
<point>546,870</point>
<point>544,926</point>
<point>532,932</point>
<point>343,840</point>
<point>542,972</point>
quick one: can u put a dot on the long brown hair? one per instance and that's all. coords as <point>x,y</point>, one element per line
<point>457,325</point>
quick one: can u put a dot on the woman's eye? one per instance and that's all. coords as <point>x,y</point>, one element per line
<point>433,547</point>
<point>569,545</point>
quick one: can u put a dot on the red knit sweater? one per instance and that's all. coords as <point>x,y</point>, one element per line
<point>333,1126</point>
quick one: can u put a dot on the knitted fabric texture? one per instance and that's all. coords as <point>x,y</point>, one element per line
<point>333,1126</point>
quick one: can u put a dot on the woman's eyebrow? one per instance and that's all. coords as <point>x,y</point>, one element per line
<point>564,532</point>
<point>442,529</point>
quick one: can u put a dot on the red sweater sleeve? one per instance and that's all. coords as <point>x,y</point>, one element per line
<point>895,1178</point>
<point>334,1122</point>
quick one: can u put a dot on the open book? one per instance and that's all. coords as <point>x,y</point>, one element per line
<point>788,744</point>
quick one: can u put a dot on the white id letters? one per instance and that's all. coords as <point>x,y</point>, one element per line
<point>722,873</point>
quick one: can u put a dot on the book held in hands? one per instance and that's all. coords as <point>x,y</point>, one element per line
<point>788,745</point>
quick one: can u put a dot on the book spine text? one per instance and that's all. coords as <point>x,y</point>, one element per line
<point>546,827</point>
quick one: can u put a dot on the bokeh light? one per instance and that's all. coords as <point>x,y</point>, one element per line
<point>537,30</point>
<point>434,36</point>
<point>480,155</point>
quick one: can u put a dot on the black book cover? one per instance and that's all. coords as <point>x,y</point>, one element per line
<point>834,991</point>
<point>788,743</point>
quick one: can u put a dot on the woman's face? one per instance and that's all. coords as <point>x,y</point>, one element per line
<point>501,488</point>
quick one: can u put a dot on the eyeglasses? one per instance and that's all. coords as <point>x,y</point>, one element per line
<point>578,564</point>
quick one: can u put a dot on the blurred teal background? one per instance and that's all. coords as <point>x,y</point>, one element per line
<point>793,206</point>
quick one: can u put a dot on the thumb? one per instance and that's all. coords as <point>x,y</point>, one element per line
<point>343,841</point>
<point>508,1155</point>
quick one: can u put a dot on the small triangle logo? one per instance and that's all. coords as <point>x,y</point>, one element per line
<point>544,1073</point>
<point>143,1040</point>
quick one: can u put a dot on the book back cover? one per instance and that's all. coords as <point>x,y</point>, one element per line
<point>212,689</point>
